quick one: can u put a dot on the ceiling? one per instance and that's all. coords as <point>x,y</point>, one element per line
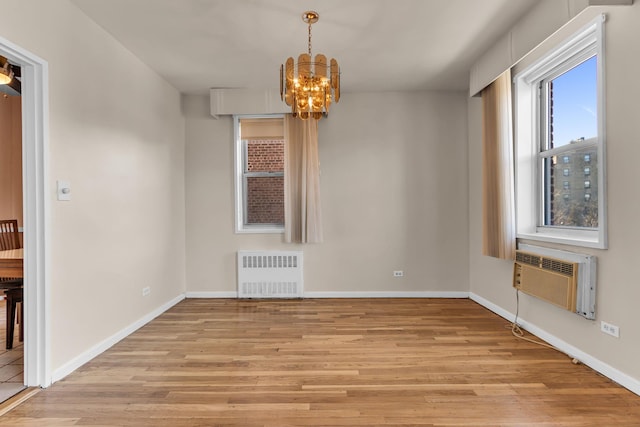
<point>379,44</point>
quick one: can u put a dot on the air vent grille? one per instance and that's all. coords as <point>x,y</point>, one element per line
<point>270,274</point>
<point>527,258</point>
<point>557,266</point>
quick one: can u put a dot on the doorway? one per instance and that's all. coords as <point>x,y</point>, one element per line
<point>11,195</point>
<point>34,79</point>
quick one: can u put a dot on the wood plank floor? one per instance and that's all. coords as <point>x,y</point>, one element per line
<point>349,362</point>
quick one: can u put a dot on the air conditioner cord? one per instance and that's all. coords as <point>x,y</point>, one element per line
<point>519,333</point>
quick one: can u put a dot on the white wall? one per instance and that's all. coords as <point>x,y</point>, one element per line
<point>116,133</point>
<point>394,196</point>
<point>618,291</point>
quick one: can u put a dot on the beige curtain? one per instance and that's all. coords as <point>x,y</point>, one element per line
<point>302,217</point>
<point>498,200</point>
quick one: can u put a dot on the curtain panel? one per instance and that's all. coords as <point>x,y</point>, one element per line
<point>302,209</point>
<point>498,197</point>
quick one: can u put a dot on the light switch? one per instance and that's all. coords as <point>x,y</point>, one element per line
<point>64,190</point>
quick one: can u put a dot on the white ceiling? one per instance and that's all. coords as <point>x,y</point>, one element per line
<point>379,44</point>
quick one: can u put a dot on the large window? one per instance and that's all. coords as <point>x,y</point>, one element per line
<point>259,154</point>
<point>560,143</point>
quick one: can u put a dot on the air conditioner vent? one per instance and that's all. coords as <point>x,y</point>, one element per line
<point>557,266</point>
<point>527,258</point>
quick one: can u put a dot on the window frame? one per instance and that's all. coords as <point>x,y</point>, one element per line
<point>240,180</point>
<point>530,139</point>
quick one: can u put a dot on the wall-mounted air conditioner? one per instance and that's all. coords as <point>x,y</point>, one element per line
<point>563,278</point>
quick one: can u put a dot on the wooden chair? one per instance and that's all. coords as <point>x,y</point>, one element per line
<point>9,235</point>
<point>13,287</point>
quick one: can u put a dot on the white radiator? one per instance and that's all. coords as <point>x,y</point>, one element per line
<point>270,274</point>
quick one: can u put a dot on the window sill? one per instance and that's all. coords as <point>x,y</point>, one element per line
<point>261,230</point>
<point>579,238</point>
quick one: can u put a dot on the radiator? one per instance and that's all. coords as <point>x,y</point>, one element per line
<point>563,278</point>
<point>270,274</point>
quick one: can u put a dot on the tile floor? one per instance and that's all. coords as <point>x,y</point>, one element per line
<point>11,361</point>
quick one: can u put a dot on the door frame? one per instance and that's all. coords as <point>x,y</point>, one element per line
<point>36,212</point>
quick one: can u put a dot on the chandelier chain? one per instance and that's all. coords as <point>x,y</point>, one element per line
<point>309,38</point>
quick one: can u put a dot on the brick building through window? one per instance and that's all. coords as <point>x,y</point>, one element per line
<point>265,192</point>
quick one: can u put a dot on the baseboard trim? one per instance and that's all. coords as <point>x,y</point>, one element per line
<point>628,382</point>
<point>99,348</point>
<point>390,294</point>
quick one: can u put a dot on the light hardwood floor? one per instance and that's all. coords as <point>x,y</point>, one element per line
<point>355,362</point>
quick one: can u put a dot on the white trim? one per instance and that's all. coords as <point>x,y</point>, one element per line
<point>588,41</point>
<point>608,371</point>
<point>261,229</point>
<point>563,237</point>
<point>99,348</point>
<point>578,48</point>
<point>389,294</point>
<point>35,172</point>
<point>237,179</point>
<point>240,190</point>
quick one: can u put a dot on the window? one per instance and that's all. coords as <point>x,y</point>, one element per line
<point>259,156</point>
<point>559,116</point>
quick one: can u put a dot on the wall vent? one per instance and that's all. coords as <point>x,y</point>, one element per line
<point>270,274</point>
<point>563,278</point>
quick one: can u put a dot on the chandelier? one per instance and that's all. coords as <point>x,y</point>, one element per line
<point>6,71</point>
<point>310,85</point>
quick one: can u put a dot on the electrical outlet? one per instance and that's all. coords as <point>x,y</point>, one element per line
<point>146,291</point>
<point>610,329</point>
<point>398,273</point>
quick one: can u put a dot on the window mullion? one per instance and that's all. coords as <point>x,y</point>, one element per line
<point>557,151</point>
<point>265,174</point>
